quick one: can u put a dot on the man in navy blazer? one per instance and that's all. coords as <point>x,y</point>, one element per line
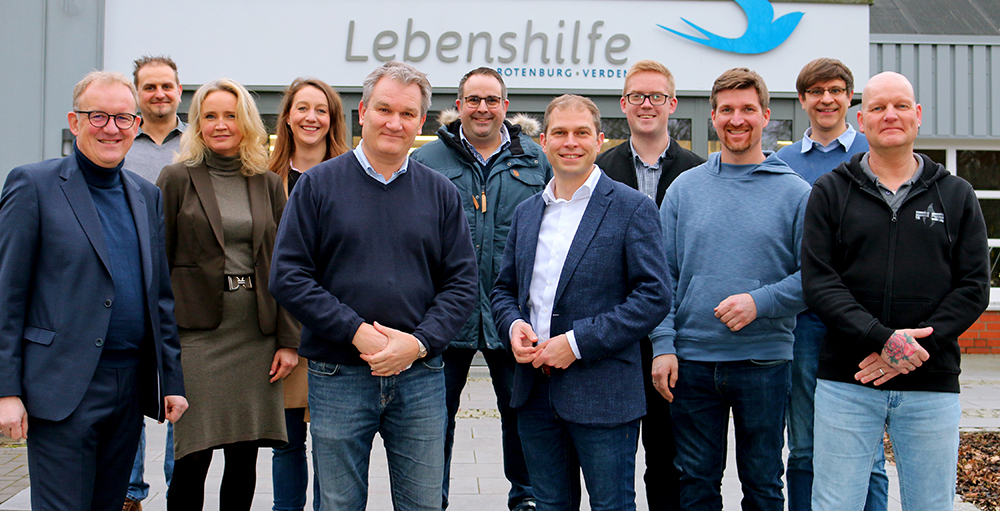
<point>582,281</point>
<point>88,342</point>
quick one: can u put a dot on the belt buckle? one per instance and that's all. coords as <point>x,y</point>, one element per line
<point>238,281</point>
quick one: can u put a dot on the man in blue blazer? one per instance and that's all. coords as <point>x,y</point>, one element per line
<point>88,342</point>
<point>582,281</point>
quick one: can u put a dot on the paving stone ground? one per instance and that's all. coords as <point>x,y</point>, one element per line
<point>477,471</point>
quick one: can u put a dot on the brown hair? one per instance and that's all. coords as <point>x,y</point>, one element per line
<point>572,102</point>
<point>823,70</point>
<point>485,71</point>
<point>284,144</point>
<point>740,78</point>
<point>655,67</point>
<point>146,60</point>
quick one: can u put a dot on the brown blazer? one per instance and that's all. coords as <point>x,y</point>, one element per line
<point>196,255</point>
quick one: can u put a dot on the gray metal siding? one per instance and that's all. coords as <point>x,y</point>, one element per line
<point>956,79</point>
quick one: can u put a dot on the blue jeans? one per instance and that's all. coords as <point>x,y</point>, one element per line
<point>348,406</point>
<point>138,489</point>
<point>757,393</point>
<point>850,420</point>
<point>289,469</point>
<point>809,332</point>
<point>456,372</point>
<point>557,450</point>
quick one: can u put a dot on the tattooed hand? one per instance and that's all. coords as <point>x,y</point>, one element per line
<point>902,351</point>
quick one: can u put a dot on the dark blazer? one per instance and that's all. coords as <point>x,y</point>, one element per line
<point>612,291</point>
<point>196,253</point>
<point>56,290</point>
<point>618,164</point>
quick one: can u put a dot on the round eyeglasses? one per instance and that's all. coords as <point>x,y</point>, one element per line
<point>99,119</point>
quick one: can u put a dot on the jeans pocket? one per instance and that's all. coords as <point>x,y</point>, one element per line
<point>323,368</point>
<point>767,363</point>
<point>435,364</point>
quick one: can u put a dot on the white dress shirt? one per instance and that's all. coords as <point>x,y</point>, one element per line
<point>559,224</point>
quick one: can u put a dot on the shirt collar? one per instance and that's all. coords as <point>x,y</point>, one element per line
<point>504,142</point>
<point>363,160</point>
<point>181,126</point>
<point>636,158</point>
<point>846,139</point>
<point>584,192</point>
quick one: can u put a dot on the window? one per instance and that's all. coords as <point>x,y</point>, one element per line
<point>981,168</point>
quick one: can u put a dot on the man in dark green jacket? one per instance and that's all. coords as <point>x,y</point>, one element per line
<point>495,165</point>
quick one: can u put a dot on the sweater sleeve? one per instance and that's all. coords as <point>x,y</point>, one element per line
<point>457,280</point>
<point>294,270</point>
<point>664,334</point>
<point>784,298</point>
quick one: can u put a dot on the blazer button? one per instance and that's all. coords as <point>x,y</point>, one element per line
<point>99,343</point>
<point>107,303</point>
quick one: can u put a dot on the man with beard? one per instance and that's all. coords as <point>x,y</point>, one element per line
<point>159,137</point>
<point>733,230</point>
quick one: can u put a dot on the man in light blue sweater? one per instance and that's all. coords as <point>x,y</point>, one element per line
<point>733,230</point>
<point>825,88</point>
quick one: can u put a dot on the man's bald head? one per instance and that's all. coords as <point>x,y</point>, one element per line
<point>889,116</point>
<point>887,79</point>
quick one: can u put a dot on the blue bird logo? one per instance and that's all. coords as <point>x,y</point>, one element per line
<point>764,33</point>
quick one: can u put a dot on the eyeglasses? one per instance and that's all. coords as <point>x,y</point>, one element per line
<point>834,91</point>
<point>99,119</point>
<point>655,99</point>
<point>491,101</point>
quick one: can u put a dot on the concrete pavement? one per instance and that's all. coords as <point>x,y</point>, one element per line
<point>477,470</point>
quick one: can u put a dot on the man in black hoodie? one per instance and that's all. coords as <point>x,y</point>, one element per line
<point>895,262</point>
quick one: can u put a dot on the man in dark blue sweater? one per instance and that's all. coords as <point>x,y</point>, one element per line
<point>375,258</point>
<point>825,88</point>
<point>88,342</point>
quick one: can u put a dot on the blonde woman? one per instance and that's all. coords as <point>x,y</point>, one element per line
<point>311,130</point>
<point>221,209</point>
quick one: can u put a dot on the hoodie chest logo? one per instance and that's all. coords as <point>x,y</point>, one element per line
<point>929,216</point>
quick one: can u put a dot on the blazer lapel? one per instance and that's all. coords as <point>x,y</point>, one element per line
<point>206,193</point>
<point>137,203</point>
<point>527,243</point>
<point>592,216</point>
<point>82,203</point>
<point>259,208</point>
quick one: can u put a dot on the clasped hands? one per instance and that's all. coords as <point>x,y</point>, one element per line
<point>901,354</point>
<point>388,351</point>
<point>556,352</point>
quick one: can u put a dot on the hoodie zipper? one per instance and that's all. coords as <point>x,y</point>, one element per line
<point>893,232</point>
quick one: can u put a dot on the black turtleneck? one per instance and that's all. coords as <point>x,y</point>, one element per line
<point>127,327</point>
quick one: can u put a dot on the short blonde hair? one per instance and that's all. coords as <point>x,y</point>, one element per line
<point>104,77</point>
<point>253,154</point>
<point>651,66</point>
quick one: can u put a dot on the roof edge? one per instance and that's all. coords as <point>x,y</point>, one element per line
<point>990,40</point>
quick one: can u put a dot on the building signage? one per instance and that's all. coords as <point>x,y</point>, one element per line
<point>575,45</point>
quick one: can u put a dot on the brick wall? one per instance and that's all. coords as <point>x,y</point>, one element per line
<point>983,336</point>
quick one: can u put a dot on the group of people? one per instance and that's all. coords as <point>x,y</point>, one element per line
<point>642,290</point>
